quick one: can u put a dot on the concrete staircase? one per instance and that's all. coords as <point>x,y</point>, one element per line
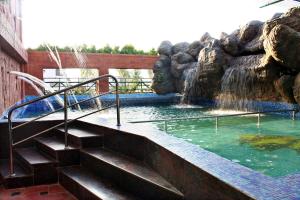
<point>87,168</point>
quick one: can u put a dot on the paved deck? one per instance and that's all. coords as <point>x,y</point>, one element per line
<point>42,192</point>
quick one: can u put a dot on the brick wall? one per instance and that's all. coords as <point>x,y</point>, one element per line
<point>12,54</point>
<point>37,61</point>
<point>10,87</point>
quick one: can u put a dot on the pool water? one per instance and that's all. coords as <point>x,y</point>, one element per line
<point>272,148</point>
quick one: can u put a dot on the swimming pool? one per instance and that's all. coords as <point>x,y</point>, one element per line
<point>272,148</point>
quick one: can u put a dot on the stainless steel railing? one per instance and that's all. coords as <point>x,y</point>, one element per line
<point>66,121</point>
<point>216,117</point>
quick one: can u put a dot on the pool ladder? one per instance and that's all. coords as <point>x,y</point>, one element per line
<point>65,107</point>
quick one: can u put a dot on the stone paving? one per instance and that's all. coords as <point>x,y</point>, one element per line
<point>41,192</point>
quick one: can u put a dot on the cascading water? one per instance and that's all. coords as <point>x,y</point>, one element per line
<point>237,86</point>
<point>39,82</point>
<point>55,56</point>
<point>81,61</point>
<point>188,85</point>
<point>37,90</point>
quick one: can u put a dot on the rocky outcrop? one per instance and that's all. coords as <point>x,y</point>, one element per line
<point>290,19</point>
<point>194,49</point>
<point>296,89</point>
<point>211,65</point>
<point>163,80</point>
<point>283,44</point>
<point>258,61</point>
<point>284,86</point>
<point>165,48</point>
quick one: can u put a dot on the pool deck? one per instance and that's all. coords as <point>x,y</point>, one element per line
<point>243,179</point>
<point>41,192</point>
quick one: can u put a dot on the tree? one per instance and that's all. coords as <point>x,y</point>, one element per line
<point>127,49</point>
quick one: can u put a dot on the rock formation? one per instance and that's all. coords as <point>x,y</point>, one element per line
<point>259,61</point>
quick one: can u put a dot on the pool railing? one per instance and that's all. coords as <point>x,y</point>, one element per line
<point>65,107</point>
<point>216,117</point>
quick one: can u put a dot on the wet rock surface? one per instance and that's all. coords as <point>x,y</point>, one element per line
<point>261,58</point>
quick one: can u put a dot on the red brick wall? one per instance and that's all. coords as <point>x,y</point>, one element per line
<point>10,87</point>
<point>12,53</point>
<point>38,60</point>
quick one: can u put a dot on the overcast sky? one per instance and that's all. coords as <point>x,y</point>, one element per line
<point>143,23</point>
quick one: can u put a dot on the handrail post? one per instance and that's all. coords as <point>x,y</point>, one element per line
<point>11,158</point>
<point>258,119</point>
<point>117,102</point>
<point>217,120</point>
<point>66,118</point>
<point>293,115</point>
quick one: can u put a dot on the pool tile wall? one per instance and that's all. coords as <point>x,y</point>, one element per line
<point>125,100</point>
<point>198,173</point>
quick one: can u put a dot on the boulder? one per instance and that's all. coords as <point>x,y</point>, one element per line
<point>276,15</point>
<point>208,74</point>
<point>177,69</point>
<point>180,47</point>
<point>254,46</point>
<point>163,62</point>
<point>163,81</point>
<point>230,43</point>
<point>206,37</point>
<point>249,62</point>
<point>165,48</point>
<point>284,86</point>
<point>268,68</point>
<point>250,31</point>
<point>182,58</point>
<point>194,49</point>
<point>283,44</point>
<point>290,19</point>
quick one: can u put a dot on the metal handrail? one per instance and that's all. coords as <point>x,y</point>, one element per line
<point>65,109</point>
<point>213,116</point>
<point>217,117</point>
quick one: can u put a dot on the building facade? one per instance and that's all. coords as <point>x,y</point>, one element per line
<point>13,56</point>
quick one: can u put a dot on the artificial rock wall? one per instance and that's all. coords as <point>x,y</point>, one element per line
<point>259,61</point>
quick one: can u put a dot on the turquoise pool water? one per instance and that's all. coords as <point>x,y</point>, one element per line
<point>272,148</point>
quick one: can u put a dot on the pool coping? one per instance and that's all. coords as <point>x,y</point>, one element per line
<point>252,183</point>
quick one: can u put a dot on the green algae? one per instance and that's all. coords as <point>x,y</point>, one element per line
<point>270,142</point>
<point>295,146</point>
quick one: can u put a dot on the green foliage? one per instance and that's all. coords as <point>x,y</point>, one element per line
<point>127,49</point>
<point>129,80</point>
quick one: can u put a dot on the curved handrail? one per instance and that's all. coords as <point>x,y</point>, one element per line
<point>61,91</point>
<point>65,109</point>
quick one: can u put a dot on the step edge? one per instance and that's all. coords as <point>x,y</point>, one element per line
<point>91,136</point>
<point>176,191</point>
<point>51,148</point>
<point>61,170</point>
<point>52,161</point>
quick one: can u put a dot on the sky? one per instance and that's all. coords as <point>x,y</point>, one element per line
<point>142,23</point>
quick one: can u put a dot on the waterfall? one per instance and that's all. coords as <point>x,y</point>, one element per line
<point>237,87</point>
<point>188,84</point>
<point>39,82</point>
<point>37,90</point>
